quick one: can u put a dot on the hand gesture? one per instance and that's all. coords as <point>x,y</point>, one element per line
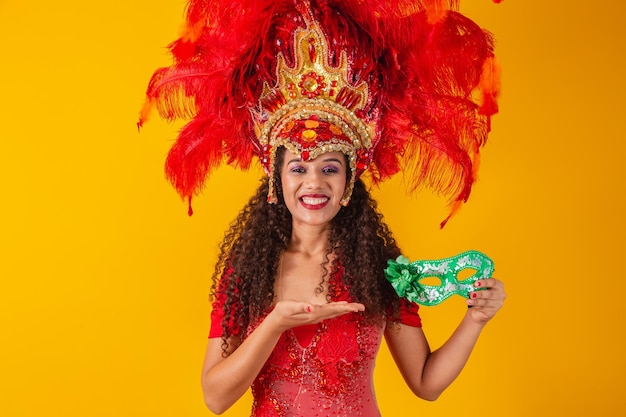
<point>291,313</point>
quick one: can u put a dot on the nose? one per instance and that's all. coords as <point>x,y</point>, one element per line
<point>313,179</point>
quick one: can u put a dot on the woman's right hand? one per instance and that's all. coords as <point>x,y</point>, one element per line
<point>290,313</point>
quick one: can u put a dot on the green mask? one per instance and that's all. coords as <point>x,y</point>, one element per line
<point>405,276</point>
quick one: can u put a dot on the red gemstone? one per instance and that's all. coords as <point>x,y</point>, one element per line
<point>304,155</point>
<point>312,53</point>
<point>341,95</point>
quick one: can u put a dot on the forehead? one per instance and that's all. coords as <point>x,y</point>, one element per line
<point>325,157</point>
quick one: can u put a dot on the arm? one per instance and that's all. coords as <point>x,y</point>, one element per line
<point>428,373</point>
<point>225,380</point>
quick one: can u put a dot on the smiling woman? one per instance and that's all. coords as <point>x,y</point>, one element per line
<point>300,299</point>
<point>104,277</point>
<point>324,290</point>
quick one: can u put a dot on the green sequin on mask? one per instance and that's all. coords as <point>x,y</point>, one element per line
<point>405,276</point>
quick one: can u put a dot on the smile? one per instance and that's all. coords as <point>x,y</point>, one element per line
<point>313,202</point>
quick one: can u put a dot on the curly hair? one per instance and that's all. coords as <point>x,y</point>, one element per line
<point>251,250</point>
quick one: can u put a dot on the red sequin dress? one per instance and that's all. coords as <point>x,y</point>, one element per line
<point>319,370</point>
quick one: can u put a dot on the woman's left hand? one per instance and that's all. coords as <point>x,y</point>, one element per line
<point>486,302</point>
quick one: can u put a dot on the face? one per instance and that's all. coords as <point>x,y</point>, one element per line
<point>313,189</point>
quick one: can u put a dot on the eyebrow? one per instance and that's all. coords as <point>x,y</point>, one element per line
<point>296,160</point>
<point>334,160</point>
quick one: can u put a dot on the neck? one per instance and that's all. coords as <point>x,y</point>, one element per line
<point>311,240</point>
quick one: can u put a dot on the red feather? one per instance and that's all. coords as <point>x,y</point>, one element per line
<point>424,63</point>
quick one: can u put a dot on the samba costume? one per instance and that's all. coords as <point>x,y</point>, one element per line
<point>396,86</point>
<point>321,369</point>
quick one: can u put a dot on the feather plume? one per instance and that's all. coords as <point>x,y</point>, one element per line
<point>436,10</point>
<point>432,77</point>
<point>490,86</point>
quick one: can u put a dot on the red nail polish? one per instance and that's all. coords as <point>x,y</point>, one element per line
<point>478,283</point>
<point>474,295</point>
<point>308,308</point>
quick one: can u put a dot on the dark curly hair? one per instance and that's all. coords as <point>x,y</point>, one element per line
<point>251,250</point>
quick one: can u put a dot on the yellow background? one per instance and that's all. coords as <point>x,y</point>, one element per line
<point>104,278</point>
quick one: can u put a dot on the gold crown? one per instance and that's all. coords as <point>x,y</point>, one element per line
<point>314,109</point>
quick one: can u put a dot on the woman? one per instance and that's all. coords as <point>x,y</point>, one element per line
<point>322,91</point>
<point>311,293</point>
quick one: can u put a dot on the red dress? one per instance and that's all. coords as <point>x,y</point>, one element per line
<point>324,369</point>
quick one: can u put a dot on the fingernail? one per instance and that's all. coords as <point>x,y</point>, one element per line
<point>474,295</point>
<point>478,283</point>
<point>308,308</point>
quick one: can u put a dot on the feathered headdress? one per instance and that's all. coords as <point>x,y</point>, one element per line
<point>395,85</point>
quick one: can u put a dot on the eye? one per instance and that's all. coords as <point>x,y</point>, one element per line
<point>330,169</point>
<point>297,169</point>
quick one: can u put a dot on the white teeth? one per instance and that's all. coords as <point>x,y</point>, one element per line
<point>314,201</point>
